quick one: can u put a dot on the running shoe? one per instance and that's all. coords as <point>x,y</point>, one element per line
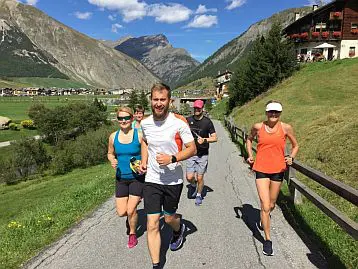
<point>127,226</point>
<point>198,200</point>
<point>177,241</point>
<point>132,241</point>
<point>267,248</point>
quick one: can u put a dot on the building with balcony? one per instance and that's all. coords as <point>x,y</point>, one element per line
<point>222,81</point>
<point>329,32</point>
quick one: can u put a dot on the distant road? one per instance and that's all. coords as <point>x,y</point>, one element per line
<point>7,143</point>
<point>220,234</point>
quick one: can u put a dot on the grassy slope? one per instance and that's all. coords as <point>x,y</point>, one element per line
<point>47,208</point>
<point>41,82</point>
<point>321,103</point>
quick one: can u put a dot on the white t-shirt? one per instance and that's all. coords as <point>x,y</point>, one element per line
<point>160,136</point>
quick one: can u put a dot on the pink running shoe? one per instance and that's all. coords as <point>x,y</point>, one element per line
<point>132,241</point>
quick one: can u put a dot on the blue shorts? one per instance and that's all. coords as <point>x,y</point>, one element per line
<point>197,164</point>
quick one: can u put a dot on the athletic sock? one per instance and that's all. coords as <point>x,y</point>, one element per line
<point>198,194</point>
<point>155,265</point>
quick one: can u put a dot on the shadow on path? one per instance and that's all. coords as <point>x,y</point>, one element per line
<point>142,223</point>
<point>166,235</point>
<point>190,191</point>
<point>251,217</point>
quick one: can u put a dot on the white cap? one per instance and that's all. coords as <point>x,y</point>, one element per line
<point>274,106</point>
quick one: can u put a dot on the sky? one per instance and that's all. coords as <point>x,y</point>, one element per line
<point>199,26</point>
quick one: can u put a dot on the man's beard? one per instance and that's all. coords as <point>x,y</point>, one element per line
<point>162,115</point>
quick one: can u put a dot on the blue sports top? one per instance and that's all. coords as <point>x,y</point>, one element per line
<point>124,152</point>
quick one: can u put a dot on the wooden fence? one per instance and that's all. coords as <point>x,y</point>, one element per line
<point>297,188</point>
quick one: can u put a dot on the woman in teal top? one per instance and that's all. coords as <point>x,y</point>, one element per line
<point>122,147</point>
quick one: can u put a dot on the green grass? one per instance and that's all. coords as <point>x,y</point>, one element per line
<point>9,135</point>
<point>35,213</point>
<point>218,112</point>
<point>321,103</point>
<point>41,82</point>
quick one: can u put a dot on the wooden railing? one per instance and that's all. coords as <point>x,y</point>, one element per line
<point>297,188</point>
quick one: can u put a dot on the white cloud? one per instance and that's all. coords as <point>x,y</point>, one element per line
<point>112,17</point>
<point>29,2</point>
<point>129,9</point>
<point>208,41</point>
<point>202,9</point>
<point>203,21</point>
<point>83,15</point>
<point>170,13</point>
<point>115,27</point>
<point>234,4</point>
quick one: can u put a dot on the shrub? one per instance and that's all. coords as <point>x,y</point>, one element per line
<point>13,126</point>
<point>28,124</point>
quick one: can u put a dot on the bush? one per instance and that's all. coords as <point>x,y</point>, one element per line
<point>28,124</point>
<point>13,126</point>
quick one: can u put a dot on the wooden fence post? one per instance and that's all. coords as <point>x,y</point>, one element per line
<point>295,195</point>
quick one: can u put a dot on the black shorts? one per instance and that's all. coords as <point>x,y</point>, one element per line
<point>273,177</point>
<point>161,197</point>
<point>126,187</point>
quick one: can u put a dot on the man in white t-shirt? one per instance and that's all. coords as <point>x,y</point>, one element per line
<point>161,156</point>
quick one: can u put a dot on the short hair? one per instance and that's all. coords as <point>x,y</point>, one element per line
<point>125,109</point>
<point>139,108</point>
<point>160,87</point>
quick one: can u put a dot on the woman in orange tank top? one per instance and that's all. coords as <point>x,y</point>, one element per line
<point>270,163</point>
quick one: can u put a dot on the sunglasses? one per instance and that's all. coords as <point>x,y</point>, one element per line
<point>124,118</point>
<point>274,111</point>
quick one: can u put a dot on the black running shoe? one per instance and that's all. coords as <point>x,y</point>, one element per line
<point>267,248</point>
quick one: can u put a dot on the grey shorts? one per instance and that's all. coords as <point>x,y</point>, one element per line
<point>197,164</point>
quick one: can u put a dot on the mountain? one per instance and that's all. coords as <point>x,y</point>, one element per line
<point>113,44</point>
<point>29,34</point>
<point>159,56</point>
<point>230,53</point>
<point>20,57</point>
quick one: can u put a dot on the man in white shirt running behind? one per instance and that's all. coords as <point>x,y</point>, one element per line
<point>161,156</point>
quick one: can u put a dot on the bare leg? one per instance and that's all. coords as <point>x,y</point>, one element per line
<point>132,212</point>
<point>263,189</point>
<point>200,179</point>
<point>153,236</point>
<point>275,187</point>
<point>173,221</point>
<point>121,206</point>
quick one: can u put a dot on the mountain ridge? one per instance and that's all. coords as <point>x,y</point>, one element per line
<point>78,56</point>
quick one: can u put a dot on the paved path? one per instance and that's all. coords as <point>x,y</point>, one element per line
<point>221,233</point>
<point>7,143</point>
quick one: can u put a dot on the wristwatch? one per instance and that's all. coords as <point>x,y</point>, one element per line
<point>174,159</point>
<point>205,141</point>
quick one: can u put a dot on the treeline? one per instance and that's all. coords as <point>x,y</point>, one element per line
<point>270,60</point>
<point>75,136</point>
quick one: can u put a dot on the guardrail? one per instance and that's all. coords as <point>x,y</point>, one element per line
<point>297,188</point>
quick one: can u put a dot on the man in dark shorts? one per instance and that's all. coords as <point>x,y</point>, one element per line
<point>161,156</point>
<point>204,133</point>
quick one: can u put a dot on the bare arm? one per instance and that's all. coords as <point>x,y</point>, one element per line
<point>111,154</point>
<point>186,153</point>
<point>144,155</point>
<point>254,130</point>
<point>294,145</point>
<point>211,139</point>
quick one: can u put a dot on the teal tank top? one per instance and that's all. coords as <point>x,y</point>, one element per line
<point>124,152</point>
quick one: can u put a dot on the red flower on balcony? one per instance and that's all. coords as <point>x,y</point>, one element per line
<point>294,36</point>
<point>304,35</point>
<point>337,14</point>
<point>315,34</point>
<point>336,34</point>
<point>354,31</point>
<point>325,34</point>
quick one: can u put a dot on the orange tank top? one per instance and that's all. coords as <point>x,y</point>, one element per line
<point>270,156</point>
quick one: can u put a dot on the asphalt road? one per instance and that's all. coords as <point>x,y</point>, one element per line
<point>220,234</point>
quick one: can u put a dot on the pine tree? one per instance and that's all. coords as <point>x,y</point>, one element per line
<point>133,99</point>
<point>143,100</point>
